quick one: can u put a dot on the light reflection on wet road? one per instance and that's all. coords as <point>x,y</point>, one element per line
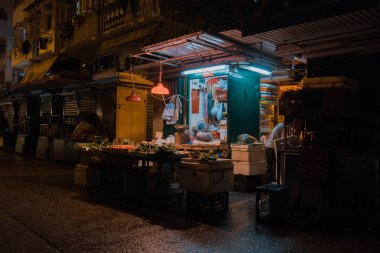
<point>42,211</point>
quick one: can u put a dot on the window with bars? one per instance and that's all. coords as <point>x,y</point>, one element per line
<point>3,14</point>
<point>3,46</point>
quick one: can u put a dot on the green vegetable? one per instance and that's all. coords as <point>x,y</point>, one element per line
<point>153,148</point>
<point>209,156</point>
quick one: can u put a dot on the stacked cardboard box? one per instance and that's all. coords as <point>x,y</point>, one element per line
<point>249,160</point>
<point>250,165</point>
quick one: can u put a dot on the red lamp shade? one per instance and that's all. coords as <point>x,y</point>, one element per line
<point>133,97</point>
<point>160,89</point>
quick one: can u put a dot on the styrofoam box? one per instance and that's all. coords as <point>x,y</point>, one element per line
<point>43,142</point>
<point>42,152</point>
<point>21,138</point>
<point>197,178</point>
<point>250,168</point>
<point>248,153</point>
<point>19,148</point>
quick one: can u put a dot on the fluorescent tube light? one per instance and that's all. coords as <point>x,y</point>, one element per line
<point>258,70</point>
<point>203,70</point>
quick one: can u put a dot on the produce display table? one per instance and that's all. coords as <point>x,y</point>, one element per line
<point>126,167</point>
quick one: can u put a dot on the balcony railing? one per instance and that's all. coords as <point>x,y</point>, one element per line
<point>115,16</point>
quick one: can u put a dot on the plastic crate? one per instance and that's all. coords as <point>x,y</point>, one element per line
<point>246,184</point>
<point>197,203</point>
<point>271,202</point>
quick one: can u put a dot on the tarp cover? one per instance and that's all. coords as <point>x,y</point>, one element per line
<point>38,70</point>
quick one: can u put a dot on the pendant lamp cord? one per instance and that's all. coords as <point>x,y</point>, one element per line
<point>160,81</point>
<point>131,69</point>
<point>160,76</point>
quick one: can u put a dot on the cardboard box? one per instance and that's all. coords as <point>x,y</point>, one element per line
<point>247,153</point>
<point>206,177</point>
<point>250,168</point>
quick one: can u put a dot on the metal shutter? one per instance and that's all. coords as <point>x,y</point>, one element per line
<point>10,116</point>
<point>46,105</point>
<point>22,111</point>
<point>7,110</point>
<point>149,117</point>
<point>87,101</point>
<point>70,108</point>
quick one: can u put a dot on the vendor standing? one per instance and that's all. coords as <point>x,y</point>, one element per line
<point>277,133</point>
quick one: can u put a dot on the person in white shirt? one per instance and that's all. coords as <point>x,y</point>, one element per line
<point>277,133</point>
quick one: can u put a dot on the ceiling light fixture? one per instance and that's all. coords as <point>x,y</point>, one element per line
<point>202,70</point>
<point>258,70</point>
<point>160,89</point>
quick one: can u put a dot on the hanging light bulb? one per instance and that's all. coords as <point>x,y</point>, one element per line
<point>133,97</point>
<point>160,89</point>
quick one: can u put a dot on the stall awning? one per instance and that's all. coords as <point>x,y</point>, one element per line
<point>310,36</point>
<point>200,47</point>
<point>38,70</point>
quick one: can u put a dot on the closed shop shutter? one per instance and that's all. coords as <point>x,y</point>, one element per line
<point>70,108</point>
<point>22,111</point>
<point>87,101</point>
<point>7,110</point>
<point>10,116</point>
<point>149,118</point>
<point>46,105</point>
<point>4,110</point>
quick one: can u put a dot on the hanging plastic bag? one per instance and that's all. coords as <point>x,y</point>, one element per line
<point>168,111</point>
<point>215,109</point>
<point>219,113</point>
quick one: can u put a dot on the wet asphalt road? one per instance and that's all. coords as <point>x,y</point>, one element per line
<point>42,211</point>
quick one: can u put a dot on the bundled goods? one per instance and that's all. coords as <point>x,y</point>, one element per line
<point>146,147</point>
<point>268,92</point>
<point>151,148</point>
<point>246,139</point>
<point>166,149</point>
<point>209,156</point>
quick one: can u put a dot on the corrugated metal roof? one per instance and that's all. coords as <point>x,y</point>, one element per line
<point>200,47</point>
<point>265,46</point>
<point>195,43</point>
<point>347,33</point>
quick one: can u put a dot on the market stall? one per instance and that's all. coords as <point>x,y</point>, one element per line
<point>138,172</point>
